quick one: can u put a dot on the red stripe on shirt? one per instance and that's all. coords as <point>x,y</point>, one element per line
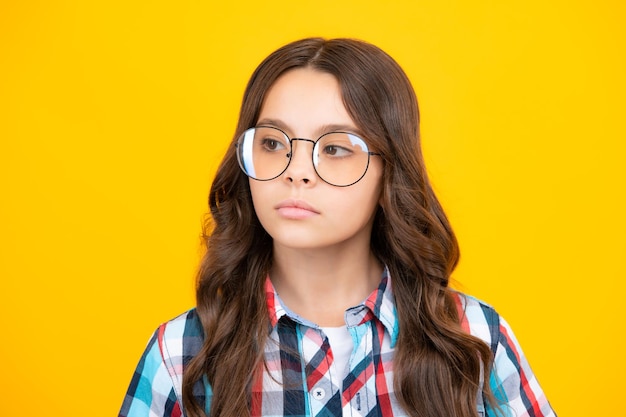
<point>522,375</point>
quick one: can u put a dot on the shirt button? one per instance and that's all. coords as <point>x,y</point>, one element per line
<point>319,393</point>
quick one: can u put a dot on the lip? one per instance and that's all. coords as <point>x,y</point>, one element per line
<point>296,209</point>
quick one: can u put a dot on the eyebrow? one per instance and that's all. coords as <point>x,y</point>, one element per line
<point>333,127</point>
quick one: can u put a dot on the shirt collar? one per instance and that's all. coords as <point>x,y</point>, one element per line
<point>380,303</point>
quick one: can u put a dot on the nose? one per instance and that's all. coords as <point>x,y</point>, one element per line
<point>300,167</point>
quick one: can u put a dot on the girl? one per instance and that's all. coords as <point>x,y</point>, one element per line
<point>324,288</point>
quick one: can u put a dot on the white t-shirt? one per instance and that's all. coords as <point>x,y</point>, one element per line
<point>341,345</point>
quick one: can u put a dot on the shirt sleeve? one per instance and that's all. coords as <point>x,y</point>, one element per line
<point>512,381</point>
<point>151,391</point>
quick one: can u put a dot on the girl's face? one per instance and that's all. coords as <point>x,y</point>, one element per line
<point>298,209</point>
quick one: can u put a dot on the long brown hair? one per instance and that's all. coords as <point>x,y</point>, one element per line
<point>437,366</point>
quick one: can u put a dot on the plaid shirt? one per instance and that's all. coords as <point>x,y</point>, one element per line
<point>314,387</point>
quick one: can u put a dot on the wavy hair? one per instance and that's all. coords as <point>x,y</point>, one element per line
<point>437,366</point>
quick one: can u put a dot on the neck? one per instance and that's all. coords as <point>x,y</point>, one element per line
<point>321,284</point>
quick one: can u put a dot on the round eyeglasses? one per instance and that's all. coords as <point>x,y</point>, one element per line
<point>339,158</point>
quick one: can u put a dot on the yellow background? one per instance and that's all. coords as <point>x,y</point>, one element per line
<point>114,114</point>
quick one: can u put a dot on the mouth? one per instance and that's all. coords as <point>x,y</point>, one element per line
<point>296,209</point>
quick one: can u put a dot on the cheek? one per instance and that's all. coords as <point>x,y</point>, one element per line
<point>257,196</point>
<point>263,201</point>
<point>375,186</point>
<point>359,204</point>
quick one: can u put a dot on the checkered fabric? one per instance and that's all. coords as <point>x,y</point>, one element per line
<point>300,378</point>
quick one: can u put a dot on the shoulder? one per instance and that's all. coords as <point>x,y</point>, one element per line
<point>179,340</point>
<point>478,318</point>
<point>512,381</point>
<point>156,386</point>
<point>186,324</point>
<point>180,336</point>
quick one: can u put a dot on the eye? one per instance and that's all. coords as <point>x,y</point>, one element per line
<point>272,145</point>
<point>336,151</point>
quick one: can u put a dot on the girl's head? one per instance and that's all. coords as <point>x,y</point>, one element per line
<point>381,102</point>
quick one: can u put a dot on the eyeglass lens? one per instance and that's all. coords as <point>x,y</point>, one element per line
<point>339,158</point>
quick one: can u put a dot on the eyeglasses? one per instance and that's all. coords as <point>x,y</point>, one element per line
<point>339,158</point>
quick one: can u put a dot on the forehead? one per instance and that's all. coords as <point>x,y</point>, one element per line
<point>304,100</point>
